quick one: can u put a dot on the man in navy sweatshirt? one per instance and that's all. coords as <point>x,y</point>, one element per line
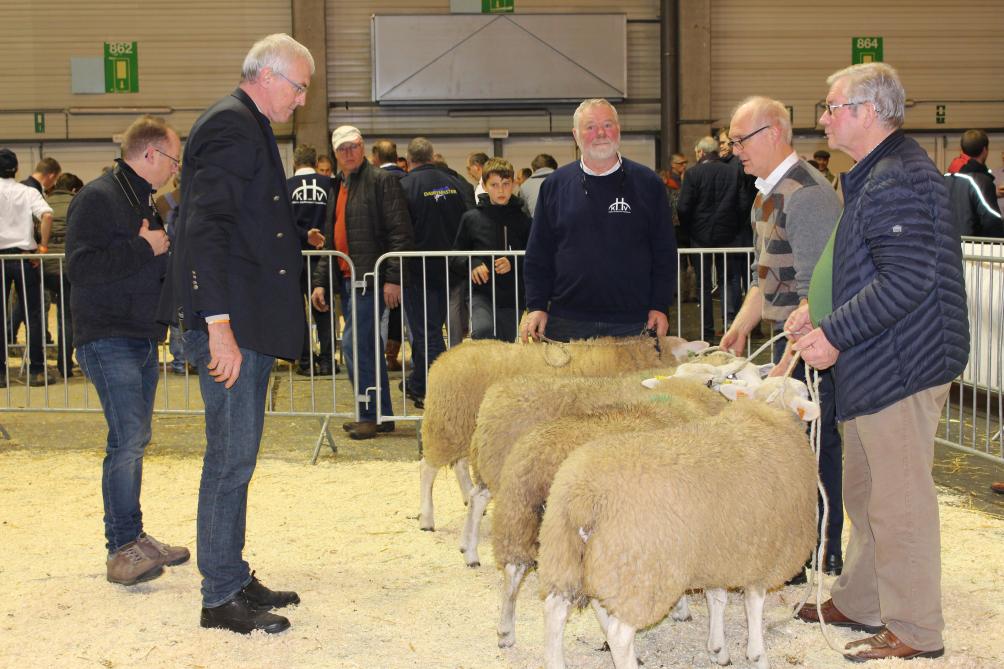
<point>601,260</point>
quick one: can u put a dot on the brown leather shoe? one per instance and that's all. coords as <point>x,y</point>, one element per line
<point>998,487</point>
<point>171,556</point>
<point>833,616</point>
<point>886,644</point>
<point>381,428</point>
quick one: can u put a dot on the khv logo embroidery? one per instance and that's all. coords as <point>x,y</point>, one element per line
<point>620,206</point>
<point>309,193</point>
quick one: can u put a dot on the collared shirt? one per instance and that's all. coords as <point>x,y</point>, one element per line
<point>765,186</point>
<point>18,203</point>
<point>304,170</point>
<point>591,173</point>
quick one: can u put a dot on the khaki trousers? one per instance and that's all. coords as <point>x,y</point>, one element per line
<point>892,571</point>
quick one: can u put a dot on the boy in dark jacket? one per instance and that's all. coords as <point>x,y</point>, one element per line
<point>498,223</point>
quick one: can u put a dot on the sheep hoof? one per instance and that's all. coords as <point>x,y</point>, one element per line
<point>507,640</point>
<point>760,661</point>
<point>683,619</point>
<point>428,529</point>
<point>474,564</point>
<point>720,656</point>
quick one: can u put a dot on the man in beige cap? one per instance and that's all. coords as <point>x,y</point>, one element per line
<point>367,217</point>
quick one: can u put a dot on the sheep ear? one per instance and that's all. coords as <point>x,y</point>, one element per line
<point>651,383</point>
<point>806,410</point>
<point>765,370</point>
<point>733,391</point>
<point>688,349</point>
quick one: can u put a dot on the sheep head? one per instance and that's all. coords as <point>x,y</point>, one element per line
<point>782,392</point>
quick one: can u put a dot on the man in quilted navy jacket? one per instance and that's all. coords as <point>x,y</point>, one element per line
<point>887,310</point>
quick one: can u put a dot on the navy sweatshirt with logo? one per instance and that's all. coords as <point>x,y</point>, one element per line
<point>601,248</point>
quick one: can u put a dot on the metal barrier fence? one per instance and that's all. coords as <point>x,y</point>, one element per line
<point>289,394</point>
<point>974,413</point>
<point>711,283</point>
<point>438,285</point>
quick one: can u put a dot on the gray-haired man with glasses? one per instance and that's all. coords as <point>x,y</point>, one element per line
<point>792,217</point>
<point>887,310</point>
<point>234,285</point>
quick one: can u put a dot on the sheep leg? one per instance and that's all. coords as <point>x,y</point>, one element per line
<point>427,474</point>
<point>512,576</point>
<point>681,612</point>
<point>601,616</point>
<point>472,524</point>
<point>556,610</point>
<point>620,636</point>
<point>717,599</point>
<point>755,651</point>
<point>462,469</point>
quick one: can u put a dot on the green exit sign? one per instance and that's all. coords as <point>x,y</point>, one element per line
<point>866,50</point>
<point>121,67</point>
<point>498,6</point>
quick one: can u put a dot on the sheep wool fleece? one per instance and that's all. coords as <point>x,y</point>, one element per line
<point>661,515</point>
<point>460,376</point>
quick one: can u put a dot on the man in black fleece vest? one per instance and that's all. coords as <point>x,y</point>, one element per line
<point>116,250</point>
<point>601,260</point>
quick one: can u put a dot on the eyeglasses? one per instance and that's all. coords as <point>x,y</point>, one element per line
<point>177,163</point>
<point>349,147</point>
<point>300,90</point>
<point>737,143</point>
<point>831,109</point>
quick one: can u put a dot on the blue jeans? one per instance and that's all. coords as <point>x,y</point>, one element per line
<point>563,329</point>
<point>124,372</point>
<point>426,312</point>
<point>234,421</point>
<point>364,325</point>
<point>176,346</point>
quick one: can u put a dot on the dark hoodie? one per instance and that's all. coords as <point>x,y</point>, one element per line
<point>494,227</point>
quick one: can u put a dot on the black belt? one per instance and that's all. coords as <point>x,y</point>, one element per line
<point>8,252</point>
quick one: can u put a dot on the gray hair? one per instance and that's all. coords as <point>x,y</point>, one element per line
<point>420,151</point>
<point>593,102</point>
<point>275,52</point>
<point>708,145</point>
<point>877,83</point>
<point>768,111</point>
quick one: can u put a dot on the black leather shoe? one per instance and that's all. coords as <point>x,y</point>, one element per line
<point>260,596</point>
<point>239,615</point>
<point>833,565</point>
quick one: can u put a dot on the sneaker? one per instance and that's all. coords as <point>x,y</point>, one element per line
<point>169,555</point>
<point>130,565</point>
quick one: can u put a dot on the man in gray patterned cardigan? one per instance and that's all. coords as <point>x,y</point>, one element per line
<point>793,216</point>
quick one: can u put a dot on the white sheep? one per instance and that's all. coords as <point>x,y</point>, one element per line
<point>460,376</point>
<point>634,521</point>
<point>526,476</point>
<point>514,406</point>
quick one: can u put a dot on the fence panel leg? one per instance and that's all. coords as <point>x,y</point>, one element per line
<point>325,435</point>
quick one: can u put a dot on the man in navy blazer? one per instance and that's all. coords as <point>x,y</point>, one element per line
<point>234,286</point>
